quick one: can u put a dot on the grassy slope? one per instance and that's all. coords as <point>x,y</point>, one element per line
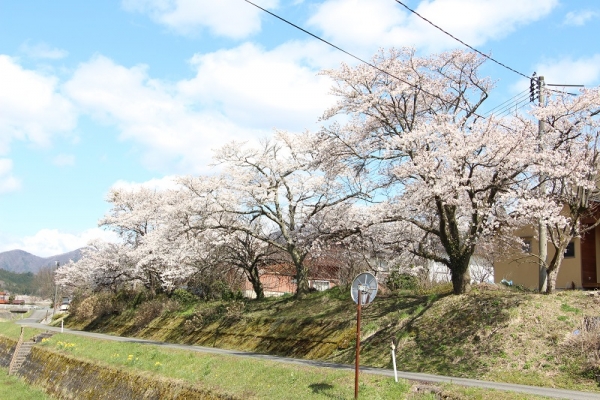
<point>245,378</point>
<point>498,335</point>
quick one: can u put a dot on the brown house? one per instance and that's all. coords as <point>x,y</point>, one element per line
<point>279,279</point>
<point>580,267</point>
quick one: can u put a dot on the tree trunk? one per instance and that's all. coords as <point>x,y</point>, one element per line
<point>553,273</point>
<point>254,278</point>
<point>461,280</point>
<point>302,281</point>
<point>554,266</point>
<point>551,281</point>
<point>301,272</point>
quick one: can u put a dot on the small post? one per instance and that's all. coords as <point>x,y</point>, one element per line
<point>356,365</point>
<point>62,331</point>
<point>394,359</point>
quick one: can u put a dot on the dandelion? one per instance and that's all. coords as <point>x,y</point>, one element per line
<point>65,345</point>
<point>157,364</point>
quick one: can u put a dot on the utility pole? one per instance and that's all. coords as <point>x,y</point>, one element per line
<point>542,232</point>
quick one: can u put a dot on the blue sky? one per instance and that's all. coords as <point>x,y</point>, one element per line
<point>105,93</point>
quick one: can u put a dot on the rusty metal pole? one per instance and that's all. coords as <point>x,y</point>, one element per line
<point>356,365</point>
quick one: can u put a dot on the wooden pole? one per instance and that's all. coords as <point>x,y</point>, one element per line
<point>356,365</point>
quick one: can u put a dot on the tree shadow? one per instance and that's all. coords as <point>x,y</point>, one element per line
<point>464,334</point>
<point>322,388</point>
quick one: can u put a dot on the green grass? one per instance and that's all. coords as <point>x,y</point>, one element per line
<point>502,335</point>
<point>243,377</point>
<point>15,388</point>
<point>567,308</point>
<point>12,330</point>
<point>251,378</point>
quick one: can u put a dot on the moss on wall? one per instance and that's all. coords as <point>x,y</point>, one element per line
<point>7,348</point>
<point>291,337</point>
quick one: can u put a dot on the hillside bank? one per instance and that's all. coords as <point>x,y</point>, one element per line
<point>491,334</point>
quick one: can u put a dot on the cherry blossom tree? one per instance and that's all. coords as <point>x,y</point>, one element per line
<point>156,229</point>
<point>446,175</point>
<point>178,246</point>
<point>103,266</point>
<point>570,144</point>
<point>134,213</point>
<point>248,254</point>
<point>282,188</point>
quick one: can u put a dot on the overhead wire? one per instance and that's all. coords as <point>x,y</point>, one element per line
<point>490,111</point>
<point>463,43</point>
<point>524,98</point>
<point>460,41</point>
<point>514,108</point>
<point>376,67</point>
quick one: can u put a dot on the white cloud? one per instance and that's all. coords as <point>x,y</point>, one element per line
<point>32,109</point>
<point>8,183</point>
<point>582,71</point>
<point>64,160</point>
<point>50,242</point>
<point>579,18</point>
<point>159,184</point>
<point>237,94</point>
<point>149,112</point>
<point>264,89</point>
<point>43,50</point>
<point>229,18</point>
<point>366,26</point>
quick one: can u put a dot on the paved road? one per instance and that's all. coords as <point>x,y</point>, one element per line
<point>540,391</point>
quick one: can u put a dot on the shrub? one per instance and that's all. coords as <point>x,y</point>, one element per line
<point>184,297</point>
<point>95,306</point>
<point>235,309</point>
<point>401,281</point>
<point>148,311</point>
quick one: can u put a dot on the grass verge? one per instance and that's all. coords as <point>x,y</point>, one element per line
<point>256,379</point>
<point>14,388</point>
<point>492,333</point>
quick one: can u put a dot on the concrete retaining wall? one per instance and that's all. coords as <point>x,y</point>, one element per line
<point>68,378</point>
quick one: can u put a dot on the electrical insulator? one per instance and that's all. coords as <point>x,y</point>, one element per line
<point>533,84</point>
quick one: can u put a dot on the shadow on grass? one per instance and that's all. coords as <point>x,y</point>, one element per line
<point>458,339</point>
<point>322,389</point>
<point>411,306</point>
<point>438,333</point>
<point>441,334</point>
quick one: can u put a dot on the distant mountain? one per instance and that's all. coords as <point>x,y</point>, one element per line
<point>21,261</point>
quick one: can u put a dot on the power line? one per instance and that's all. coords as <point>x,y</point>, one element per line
<point>514,108</point>
<point>501,105</point>
<point>317,37</point>
<point>379,69</point>
<point>523,98</point>
<point>361,60</point>
<point>460,41</point>
<point>561,91</point>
